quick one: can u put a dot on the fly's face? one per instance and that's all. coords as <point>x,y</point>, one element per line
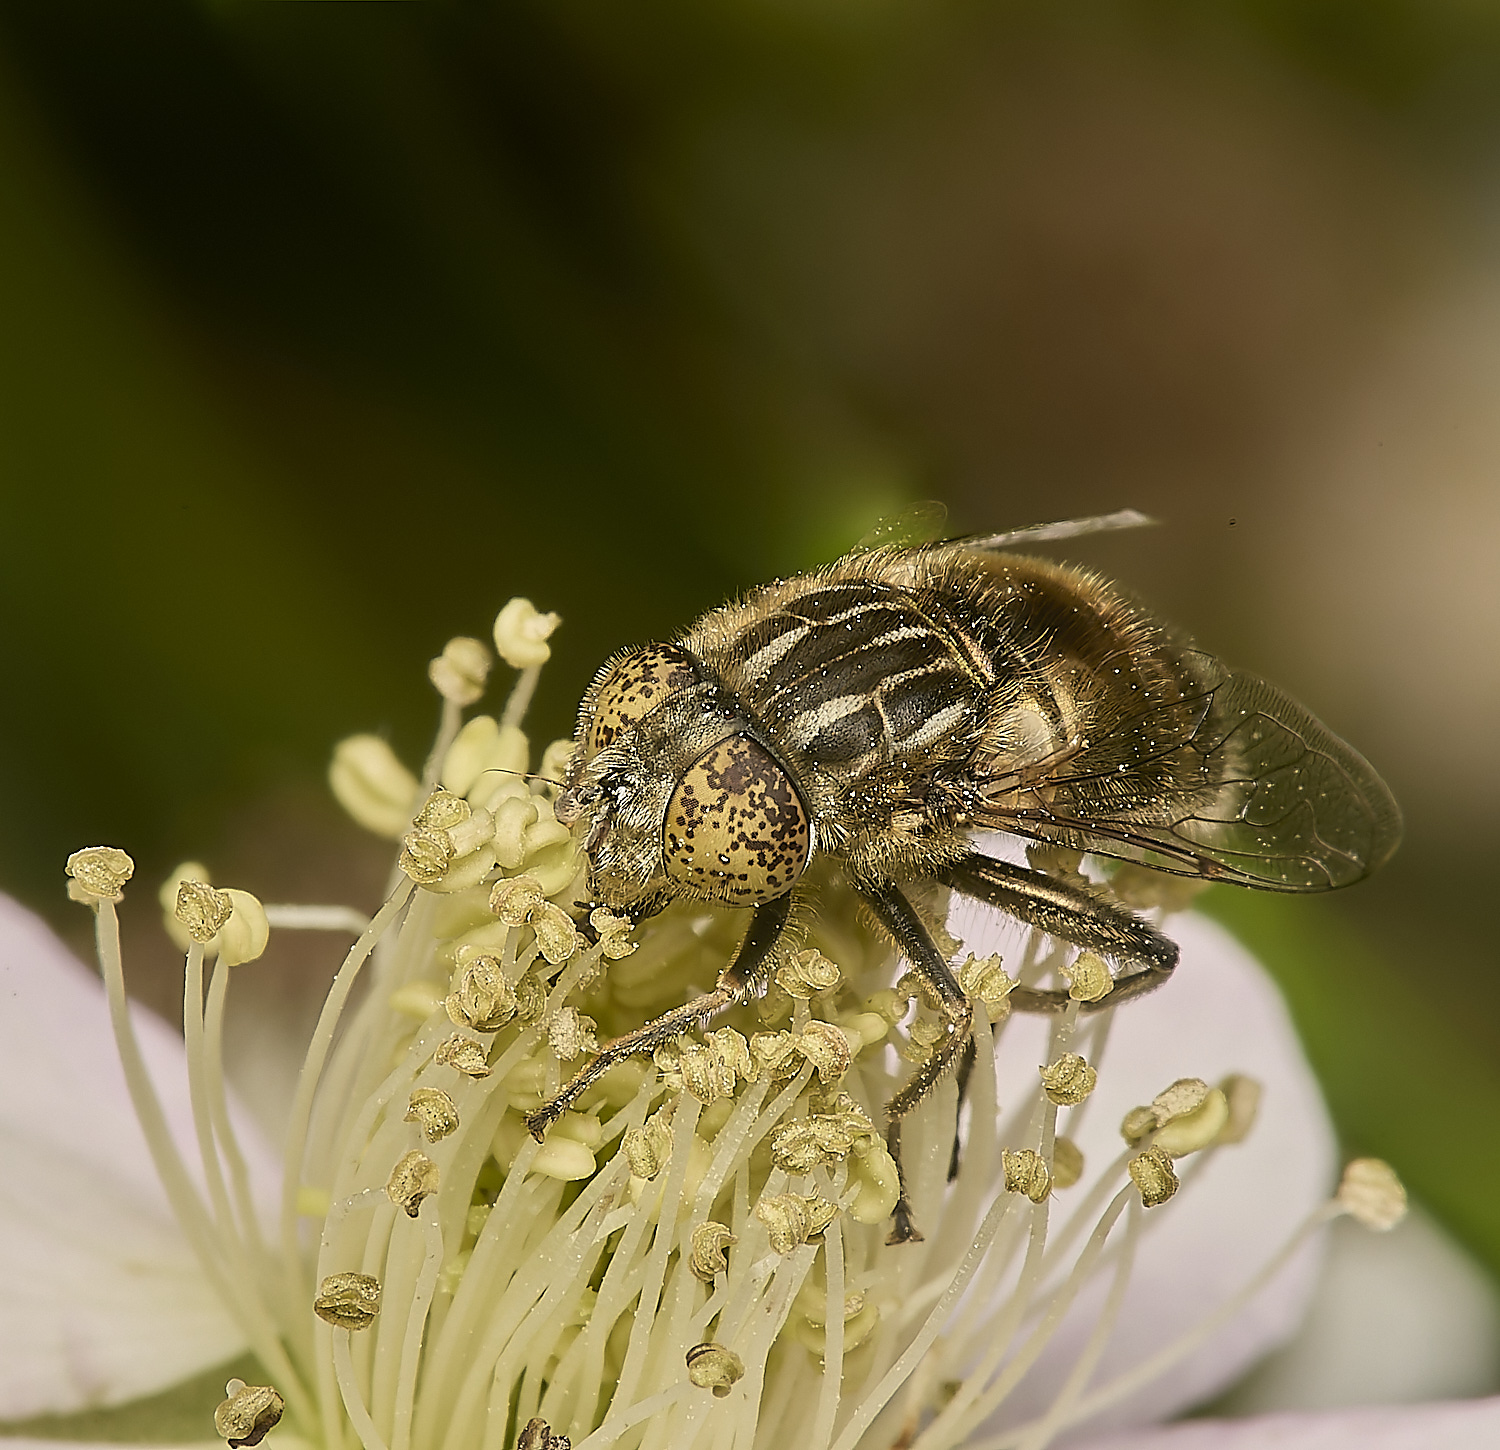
<point>681,796</point>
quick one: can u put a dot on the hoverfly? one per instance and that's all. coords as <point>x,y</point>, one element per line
<point>884,708</point>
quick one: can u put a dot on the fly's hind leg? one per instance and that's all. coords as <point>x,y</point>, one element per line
<point>735,983</point>
<point>915,943</point>
<point>1073,914</point>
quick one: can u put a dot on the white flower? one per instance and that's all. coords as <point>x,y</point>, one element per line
<point>437,1276</point>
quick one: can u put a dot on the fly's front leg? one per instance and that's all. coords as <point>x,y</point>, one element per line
<point>1074,915</point>
<point>915,943</point>
<point>735,983</point>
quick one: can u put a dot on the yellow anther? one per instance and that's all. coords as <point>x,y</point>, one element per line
<point>1185,1096</point>
<point>1371,1194</point>
<point>1026,1172</point>
<point>648,1147</point>
<point>570,1034</point>
<point>418,998</point>
<point>872,1171</point>
<point>516,899</point>
<point>808,974</point>
<point>984,981</point>
<point>201,910</point>
<point>1088,977</point>
<point>486,762</point>
<point>733,1051</point>
<point>556,759</point>
<point>513,818</point>
<point>1067,1163</point>
<point>793,1218</point>
<point>1069,1080</point>
<point>372,785</point>
<point>613,933</point>
<point>348,1300</point>
<point>443,810</point>
<point>1153,1174</point>
<point>556,936</point>
<point>99,873</point>
<point>245,935</point>
<point>249,1413</point>
<point>1138,1124</point>
<point>481,997</point>
<point>434,1111</point>
<point>707,1259</point>
<point>827,1047</point>
<point>777,1053</point>
<point>704,1073</point>
<point>713,1367</point>
<point>537,1435</point>
<point>1189,1132</point>
<point>460,672</point>
<point>531,998</point>
<point>463,1055</point>
<point>414,1178</point>
<point>426,855</point>
<point>521,634</point>
<point>565,1159</point>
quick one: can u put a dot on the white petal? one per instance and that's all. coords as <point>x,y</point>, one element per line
<point>1452,1425</point>
<point>103,1300</point>
<point>1219,1014</point>
<point>1397,1317</point>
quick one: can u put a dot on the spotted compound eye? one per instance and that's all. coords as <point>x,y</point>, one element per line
<point>735,828</point>
<point>640,682</point>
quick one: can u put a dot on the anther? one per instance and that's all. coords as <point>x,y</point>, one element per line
<point>1089,978</point>
<point>538,1436</point>
<point>984,981</point>
<point>707,1259</point>
<point>99,873</point>
<point>372,784</point>
<point>521,634</point>
<point>713,1367</point>
<point>1026,1172</point>
<point>1371,1194</point>
<point>794,1218</point>
<point>570,1034</point>
<point>1069,1080</point>
<point>1153,1174</point>
<point>348,1301</point>
<point>249,1413</point>
<point>414,1178</point>
<point>434,1111</point>
<point>1067,1163</point>
<point>648,1147</point>
<point>201,910</point>
<point>807,975</point>
<point>481,998</point>
<point>460,672</point>
<point>462,1054</point>
<point>828,1048</point>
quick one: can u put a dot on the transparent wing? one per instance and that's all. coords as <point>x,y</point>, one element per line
<point>1066,529</point>
<point>1230,779</point>
<point>917,523</point>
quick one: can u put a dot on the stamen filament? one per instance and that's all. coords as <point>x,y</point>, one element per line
<point>359,1417</point>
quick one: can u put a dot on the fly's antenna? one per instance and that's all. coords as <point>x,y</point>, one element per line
<point>524,774</point>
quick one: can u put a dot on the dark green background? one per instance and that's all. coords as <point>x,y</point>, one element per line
<point>329,327</point>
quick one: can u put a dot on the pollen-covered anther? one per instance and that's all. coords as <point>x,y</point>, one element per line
<point>99,873</point>
<point>426,855</point>
<point>414,1178</point>
<point>481,997</point>
<point>828,1048</point>
<point>434,1111</point>
<point>556,936</point>
<point>733,1051</point>
<point>1153,1174</point>
<point>248,1414</point>
<point>1243,1096</point>
<point>201,910</point>
<point>442,811</point>
<point>531,998</point>
<point>1371,1194</point>
<point>704,1073</point>
<point>1089,978</point>
<point>803,1144</point>
<point>570,1033</point>
<point>707,1258</point>
<point>461,671</point>
<point>984,981</point>
<point>517,899</point>
<point>463,1055</point>
<point>1026,1172</point>
<point>613,933</point>
<point>777,1053</point>
<point>1069,1080</point>
<point>808,974</point>
<point>648,1147</point>
<point>371,784</point>
<point>521,634</point>
<point>713,1367</point>
<point>348,1300</point>
<point>1067,1163</point>
<point>794,1218</point>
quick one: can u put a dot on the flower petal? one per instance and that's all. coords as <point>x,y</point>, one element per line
<point>1449,1425</point>
<point>1219,1014</point>
<point>103,1301</point>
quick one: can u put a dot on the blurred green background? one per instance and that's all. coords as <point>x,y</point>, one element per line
<point>329,327</point>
